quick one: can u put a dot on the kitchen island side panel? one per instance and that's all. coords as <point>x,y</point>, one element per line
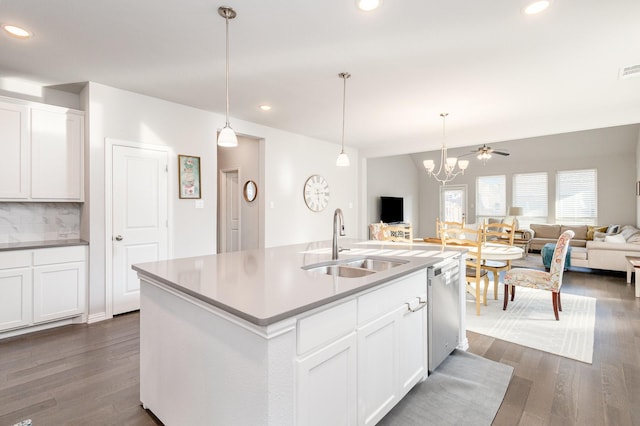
<point>194,363</point>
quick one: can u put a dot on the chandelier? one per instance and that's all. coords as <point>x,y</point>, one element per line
<point>447,170</point>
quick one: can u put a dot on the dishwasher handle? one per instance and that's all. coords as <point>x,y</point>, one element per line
<point>421,304</point>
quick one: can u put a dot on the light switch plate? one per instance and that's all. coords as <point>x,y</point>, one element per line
<point>199,204</point>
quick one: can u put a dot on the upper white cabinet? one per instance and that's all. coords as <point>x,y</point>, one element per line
<point>56,155</point>
<point>14,161</point>
<point>43,159</point>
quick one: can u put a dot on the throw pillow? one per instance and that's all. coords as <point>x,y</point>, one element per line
<point>613,229</point>
<point>599,236</point>
<point>593,229</point>
<point>614,239</point>
<point>627,231</point>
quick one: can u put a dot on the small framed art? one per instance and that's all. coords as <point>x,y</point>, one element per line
<point>189,176</point>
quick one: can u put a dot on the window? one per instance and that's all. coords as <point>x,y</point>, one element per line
<point>577,197</point>
<point>490,197</point>
<point>531,192</point>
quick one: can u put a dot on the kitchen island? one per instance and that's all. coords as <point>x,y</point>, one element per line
<point>263,337</point>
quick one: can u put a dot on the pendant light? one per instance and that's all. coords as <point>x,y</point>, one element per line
<point>227,137</point>
<point>343,159</point>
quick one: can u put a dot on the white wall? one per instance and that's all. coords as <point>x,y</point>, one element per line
<point>395,176</point>
<point>289,160</point>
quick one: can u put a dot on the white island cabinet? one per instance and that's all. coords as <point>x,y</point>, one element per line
<point>299,349</point>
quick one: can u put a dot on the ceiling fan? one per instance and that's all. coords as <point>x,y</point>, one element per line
<point>485,152</point>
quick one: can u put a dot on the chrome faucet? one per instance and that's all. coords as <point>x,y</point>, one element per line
<point>337,217</point>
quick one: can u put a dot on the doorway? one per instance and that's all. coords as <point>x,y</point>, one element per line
<point>453,203</point>
<point>139,218</point>
<point>240,217</point>
<point>230,223</point>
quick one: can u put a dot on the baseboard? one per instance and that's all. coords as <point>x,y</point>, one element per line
<point>100,316</point>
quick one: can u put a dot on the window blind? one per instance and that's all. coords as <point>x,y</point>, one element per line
<point>531,192</point>
<point>577,197</point>
<point>490,197</point>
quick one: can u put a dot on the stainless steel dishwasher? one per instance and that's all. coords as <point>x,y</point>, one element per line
<point>443,303</point>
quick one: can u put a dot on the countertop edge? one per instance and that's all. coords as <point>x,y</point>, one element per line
<point>31,245</point>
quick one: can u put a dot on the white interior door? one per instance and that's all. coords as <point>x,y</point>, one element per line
<point>139,205</point>
<point>453,203</point>
<point>230,212</point>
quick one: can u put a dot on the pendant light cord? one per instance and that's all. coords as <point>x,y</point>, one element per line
<point>226,18</point>
<point>344,76</point>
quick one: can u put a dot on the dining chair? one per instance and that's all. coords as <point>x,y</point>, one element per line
<point>543,280</point>
<point>447,225</point>
<point>502,234</point>
<point>474,273</point>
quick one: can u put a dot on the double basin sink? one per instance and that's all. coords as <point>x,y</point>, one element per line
<point>354,268</point>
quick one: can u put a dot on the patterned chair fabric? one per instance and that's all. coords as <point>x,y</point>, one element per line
<point>533,278</point>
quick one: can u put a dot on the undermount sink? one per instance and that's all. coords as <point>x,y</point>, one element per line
<point>375,264</point>
<point>354,268</point>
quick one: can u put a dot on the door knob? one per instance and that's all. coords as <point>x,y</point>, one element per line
<point>118,237</point>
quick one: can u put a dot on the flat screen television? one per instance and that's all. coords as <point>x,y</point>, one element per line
<point>391,209</point>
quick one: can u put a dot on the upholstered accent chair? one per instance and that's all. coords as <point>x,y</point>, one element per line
<point>533,278</point>
<point>474,271</point>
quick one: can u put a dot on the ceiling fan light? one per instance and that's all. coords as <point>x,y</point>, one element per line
<point>343,160</point>
<point>227,137</point>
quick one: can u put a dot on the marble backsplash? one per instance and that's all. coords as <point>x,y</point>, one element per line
<point>24,222</point>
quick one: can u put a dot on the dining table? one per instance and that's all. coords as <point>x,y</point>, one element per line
<point>488,251</point>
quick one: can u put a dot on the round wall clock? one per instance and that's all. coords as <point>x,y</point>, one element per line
<point>316,193</point>
<point>250,191</point>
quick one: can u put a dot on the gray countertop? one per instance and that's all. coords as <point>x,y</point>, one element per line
<point>268,285</point>
<point>29,245</point>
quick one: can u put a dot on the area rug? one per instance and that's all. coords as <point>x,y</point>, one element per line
<point>465,389</point>
<point>529,321</point>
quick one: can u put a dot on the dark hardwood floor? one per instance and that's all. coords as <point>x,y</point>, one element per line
<point>88,374</point>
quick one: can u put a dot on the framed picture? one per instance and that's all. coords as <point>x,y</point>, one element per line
<point>189,176</point>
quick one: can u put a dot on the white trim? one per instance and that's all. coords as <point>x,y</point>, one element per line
<point>100,316</point>
<point>109,143</point>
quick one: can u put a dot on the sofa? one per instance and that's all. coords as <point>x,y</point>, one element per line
<point>592,247</point>
<point>543,233</point>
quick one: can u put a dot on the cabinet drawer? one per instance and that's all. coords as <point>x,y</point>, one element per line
<point>59,255</point>
<point>15,259</point>
<point>325,326</point>
<point>390,296</point>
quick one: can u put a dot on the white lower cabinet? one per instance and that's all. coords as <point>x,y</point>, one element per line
<point>358,359</point>
<point>50,285</point>
<point>58,291</point>
<point>327,378</point>
<point>378,389</point>
<point>15,303</point>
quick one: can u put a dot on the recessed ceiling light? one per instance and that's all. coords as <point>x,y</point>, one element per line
<point>16,32</point>
<point>265,107</point>
<point>368,5</point>
<point>536,6</point>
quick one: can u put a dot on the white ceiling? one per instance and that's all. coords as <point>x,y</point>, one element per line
<point>501,75</point>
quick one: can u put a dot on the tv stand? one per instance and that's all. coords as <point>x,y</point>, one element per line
<point>397,231</point>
